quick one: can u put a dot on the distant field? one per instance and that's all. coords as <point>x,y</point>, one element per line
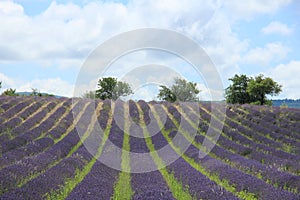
<point>288,102</point>
<point>42,156</point>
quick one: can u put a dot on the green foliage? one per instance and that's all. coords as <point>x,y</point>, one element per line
<point>268,102</point>
<point>10,92</point>
<point>0,84</point>
<point>181,90</point>
<point>111,88</point>
<point>237,92</point>
<point>259,87</point>
<point>121,89</point>
<point>166,94</point>
<point>255,103</point>
<point>251,90</point>
<point>89,94</point>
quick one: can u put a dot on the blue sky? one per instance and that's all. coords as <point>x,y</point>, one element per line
<point>43,44</point>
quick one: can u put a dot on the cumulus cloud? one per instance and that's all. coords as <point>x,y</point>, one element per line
<point>51,85</point>
<point>9,8</point>
<point>250,9</point>
<point>222,44</point>
<point>55,86</point>
<point>7,82</point>
<point>63,35</point>
<point>288,76</point>
<point>277,28</point>
<point>262,56</point>
<point>71,31</point>
<point>208,94</point>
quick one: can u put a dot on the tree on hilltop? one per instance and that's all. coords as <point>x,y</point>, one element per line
<point>166,94</point>
<point>251,90</point>
<point>89,94</point>
<point>10,92</point>
<point>181,90</point>
<point>259,87</point>
<point>111,88</point>
<point>237,91</point>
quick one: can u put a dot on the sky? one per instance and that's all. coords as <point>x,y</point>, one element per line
<point>44,44</point>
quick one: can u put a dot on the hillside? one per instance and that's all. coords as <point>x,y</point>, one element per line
<point>45,151</point>
<point>288,102</point>
<point>43,93</point>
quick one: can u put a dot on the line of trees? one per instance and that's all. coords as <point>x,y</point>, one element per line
<point>111,88</point>
<point>35,92</point>
<point>242,90</point>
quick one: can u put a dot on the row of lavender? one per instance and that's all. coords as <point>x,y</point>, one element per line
<point>33,175</point>
<point>40,150</point>
<point>31,149</point>
<point>258,142</point>
<point>259,176</point>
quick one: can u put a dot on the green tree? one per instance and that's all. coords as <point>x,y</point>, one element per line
<point>181,90</point>
<point>261,86</point>
<point>166,94</point>
<point>10,92</point>
<point>251,90</point>
<point>89,94</point>
<point>237,91</point>
<point>111,88</point>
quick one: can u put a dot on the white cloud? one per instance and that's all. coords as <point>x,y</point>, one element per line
<point>277,27</point>
<point>222,44</point>
<point>247,10</point>
<point>67,31</point>
<point>288,76</point>
<point>65,34</point>
<point>7,82</point>
<point>51,85</point>
<point>262,56</point>
<point>208,94</point>
<point>10,8</point>
<point>70,31</point>
<point>55,86</point>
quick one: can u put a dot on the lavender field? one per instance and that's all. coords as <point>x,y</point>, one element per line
<point>42,156</point>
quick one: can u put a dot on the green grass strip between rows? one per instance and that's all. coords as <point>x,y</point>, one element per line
<point>212,176</point>
<point>234,165</point>
<point>122,189</point>
<point>178,190</point>
<point>80,175</point>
